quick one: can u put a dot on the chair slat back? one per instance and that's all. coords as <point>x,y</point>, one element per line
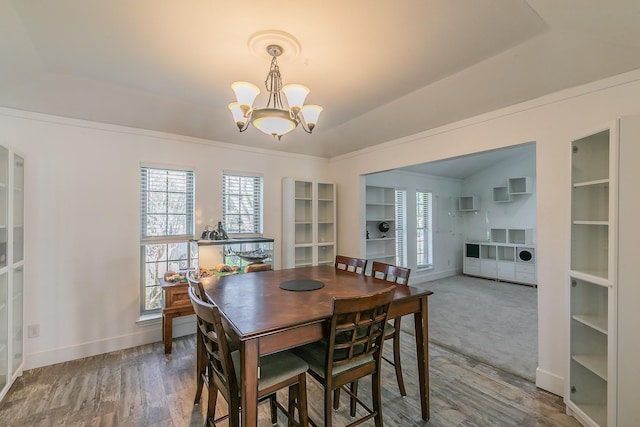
<point>390,273</point>
<point>196,285</point>
<point>357,328</point>
<point>354,265</point>
<point>215,342</point>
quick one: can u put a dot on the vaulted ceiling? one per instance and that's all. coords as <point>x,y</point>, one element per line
<point>381,70</point>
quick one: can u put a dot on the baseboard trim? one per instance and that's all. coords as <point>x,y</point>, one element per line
<point>146,334</point>
<point>550,382</point>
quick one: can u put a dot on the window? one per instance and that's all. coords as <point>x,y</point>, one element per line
<point>424,238</point>
<point>242,203</point>
<point>166,226</point>
<point>401,234</point>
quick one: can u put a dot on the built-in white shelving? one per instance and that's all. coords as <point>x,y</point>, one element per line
<point>591,388</point>
<point>11,267</point>
<point>380,208</point>
<point>309,227</point>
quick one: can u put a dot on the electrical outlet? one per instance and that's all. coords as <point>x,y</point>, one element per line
<point>33,331</point>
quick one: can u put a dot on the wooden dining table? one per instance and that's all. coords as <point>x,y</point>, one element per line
<point>262,318</point>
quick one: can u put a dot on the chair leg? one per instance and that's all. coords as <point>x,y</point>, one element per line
<point>396,358</point>
<point>328,410</point>
<point>302,400</point>
<point>234,411</point>
<point>274,409</point>
<point>201,367</point>
<point>294,399</point>
<point>376,394</point>
<point>354,390</point>
<point>212,401</point>
<point>336,399</point>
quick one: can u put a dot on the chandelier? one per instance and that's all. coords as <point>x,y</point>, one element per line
<point>277,118</point>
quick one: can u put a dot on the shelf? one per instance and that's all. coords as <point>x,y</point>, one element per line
<point>380,204</point>
<point>595,322</point>
<point>590,159</point>
<point>595,364</point>
<point>390,258</point>
<point>590,247</point>
<point>501,194</point>
<point>499,235</point>
<point>596,276</point>
<point>598,413</point>
<point>520,185</point>
<point>594,183</point>
<point>468,204</point>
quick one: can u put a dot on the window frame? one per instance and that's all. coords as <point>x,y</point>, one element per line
<point>257,202</point>
<point>166,239</point>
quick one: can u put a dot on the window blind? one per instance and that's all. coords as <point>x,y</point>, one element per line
<point>400,221</point>
<point>424,246</point>
<point>242,203</point>
<point>166,202</point>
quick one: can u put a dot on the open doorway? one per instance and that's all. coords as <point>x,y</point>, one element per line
<point>485,308</point>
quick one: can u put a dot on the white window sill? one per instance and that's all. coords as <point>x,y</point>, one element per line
<point>149,319</point>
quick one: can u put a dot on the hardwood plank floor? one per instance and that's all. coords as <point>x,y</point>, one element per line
<point>140,387</point>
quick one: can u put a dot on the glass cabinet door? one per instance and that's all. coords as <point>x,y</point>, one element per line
<point>4,202</point>
<point>18,209</point>
<point>17,301</point>
<point>4,331</point>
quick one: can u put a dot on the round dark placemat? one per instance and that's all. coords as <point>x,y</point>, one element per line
<point>301,285</point>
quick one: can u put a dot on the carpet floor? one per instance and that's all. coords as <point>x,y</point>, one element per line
<point>490,321</point>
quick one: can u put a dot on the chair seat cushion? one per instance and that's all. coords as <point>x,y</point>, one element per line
<point>274,368</point>
<point>389,330</point>
<point>315,353</point>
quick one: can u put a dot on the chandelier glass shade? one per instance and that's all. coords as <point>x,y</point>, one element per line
<point>280,116</point>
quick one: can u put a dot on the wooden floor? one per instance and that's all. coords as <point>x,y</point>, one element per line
<point>140,387</point>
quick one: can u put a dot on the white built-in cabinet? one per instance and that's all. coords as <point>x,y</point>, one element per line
<point>510,255</point>
<point>604,290</point>
<point>11,267</point>
<point>380,207</point>
<point>308,223</point>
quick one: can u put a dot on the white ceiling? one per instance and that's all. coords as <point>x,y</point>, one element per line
<point>381,70</point>
<point>465,166</point>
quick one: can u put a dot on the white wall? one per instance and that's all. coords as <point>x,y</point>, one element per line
<point>552,121</point>
<point>447,221</point>
<point>520,212</point>
<point>82,222</point>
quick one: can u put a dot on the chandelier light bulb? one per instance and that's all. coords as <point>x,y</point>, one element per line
<point>296,95</point>
<point>311,113</point>
<point>238,115</point>
<point>246,93</point>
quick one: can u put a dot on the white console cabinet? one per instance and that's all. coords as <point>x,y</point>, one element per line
<point>509,256</point>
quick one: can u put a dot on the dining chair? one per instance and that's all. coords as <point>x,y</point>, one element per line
<point>354,265</point>
<point>277,371</point>
<point>398,275</point>
<point>352,350</point>
<point>201,356</point>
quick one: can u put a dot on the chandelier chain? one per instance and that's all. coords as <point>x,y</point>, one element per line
<point>273,84</point>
